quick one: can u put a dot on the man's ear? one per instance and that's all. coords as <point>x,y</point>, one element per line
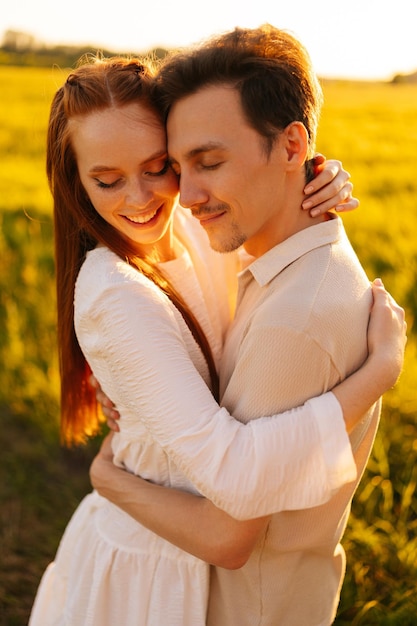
<point>296,143</point>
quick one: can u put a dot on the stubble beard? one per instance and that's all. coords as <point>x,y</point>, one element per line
<point>229,242</point>
<point>231,239</point>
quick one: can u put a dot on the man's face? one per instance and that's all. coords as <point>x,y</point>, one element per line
<point>227,178</point>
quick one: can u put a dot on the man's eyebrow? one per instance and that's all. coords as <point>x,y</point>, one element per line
<point>205,147</point>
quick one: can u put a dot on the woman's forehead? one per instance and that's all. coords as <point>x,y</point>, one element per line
<point>131,131</point>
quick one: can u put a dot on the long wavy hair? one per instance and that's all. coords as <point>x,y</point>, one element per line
<point>96,84</point>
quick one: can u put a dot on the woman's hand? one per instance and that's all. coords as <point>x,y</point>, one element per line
<point>330,189</point>
<point>387,335</point>
<point>386,344</point>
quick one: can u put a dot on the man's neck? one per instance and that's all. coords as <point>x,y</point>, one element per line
<point>289,220</point>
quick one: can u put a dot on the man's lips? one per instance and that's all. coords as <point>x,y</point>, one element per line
<point>208,218</point>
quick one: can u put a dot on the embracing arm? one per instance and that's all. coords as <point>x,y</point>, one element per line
<point>136,347</point>
<point>386,339</point>
<point>194,523</point>
<point>386,344</point>
<point>190,522</point>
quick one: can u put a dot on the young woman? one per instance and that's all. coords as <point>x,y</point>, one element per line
<point>143,303</point>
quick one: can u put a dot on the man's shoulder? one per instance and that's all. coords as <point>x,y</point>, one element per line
<point>322,282</point>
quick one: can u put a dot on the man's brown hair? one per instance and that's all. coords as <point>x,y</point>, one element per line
<point>269,67</point>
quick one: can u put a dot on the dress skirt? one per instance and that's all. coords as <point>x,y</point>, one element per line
<point>111,571</point>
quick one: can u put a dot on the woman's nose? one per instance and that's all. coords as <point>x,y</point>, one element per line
<point>138,195</point>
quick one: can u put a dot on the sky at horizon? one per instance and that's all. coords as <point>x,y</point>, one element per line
<point>363,39</point>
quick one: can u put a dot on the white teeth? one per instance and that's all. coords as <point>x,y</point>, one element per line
<point>141,219</point>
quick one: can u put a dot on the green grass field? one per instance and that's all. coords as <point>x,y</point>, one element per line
<point>372,128</point>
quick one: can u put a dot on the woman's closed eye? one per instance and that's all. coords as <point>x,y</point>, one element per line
<point>161,171</point>
<point>102,185</point>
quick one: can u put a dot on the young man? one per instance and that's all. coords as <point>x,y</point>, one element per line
<point>242,114</point>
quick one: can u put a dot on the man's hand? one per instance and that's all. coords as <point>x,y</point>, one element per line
<point>330,189</point>
<point>109,410</point>
<point>102,465</point>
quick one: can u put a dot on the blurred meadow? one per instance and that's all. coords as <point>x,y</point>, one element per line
<point>372,128</point>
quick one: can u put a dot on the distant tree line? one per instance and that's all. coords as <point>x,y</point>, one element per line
<point>19,48</point>
<point>22,49</point>
<point>405,78</point>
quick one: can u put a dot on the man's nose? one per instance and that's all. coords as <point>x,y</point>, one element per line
<point>191,192</point>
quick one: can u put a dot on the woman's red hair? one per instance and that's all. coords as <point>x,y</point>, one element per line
<point>93,86</point>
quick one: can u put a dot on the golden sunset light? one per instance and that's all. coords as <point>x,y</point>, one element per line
<point>371,39</point>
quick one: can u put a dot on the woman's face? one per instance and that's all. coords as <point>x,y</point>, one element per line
<point>122,162</point>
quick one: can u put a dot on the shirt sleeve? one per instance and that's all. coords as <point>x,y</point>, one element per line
<point>134,344</point>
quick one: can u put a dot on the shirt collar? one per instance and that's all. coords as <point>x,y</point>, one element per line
<point>270,264</point>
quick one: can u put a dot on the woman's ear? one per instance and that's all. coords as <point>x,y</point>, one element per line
<point>296,143</point>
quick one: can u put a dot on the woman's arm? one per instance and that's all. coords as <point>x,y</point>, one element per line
<point>386,342</point>
<point>190,522</point>
<point>134,344</point>
<point>166,511</point>
<point>194,523</point>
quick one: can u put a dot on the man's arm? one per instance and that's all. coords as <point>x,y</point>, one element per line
<point>193,523</point>
<point>210,447</point>
<point>190,522</point>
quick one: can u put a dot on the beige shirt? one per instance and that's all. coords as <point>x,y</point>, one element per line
<point>300,328</point>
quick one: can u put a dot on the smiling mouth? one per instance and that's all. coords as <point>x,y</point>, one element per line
<point>145,218</point>
<point>207,215</point>
<point>209,218</point>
